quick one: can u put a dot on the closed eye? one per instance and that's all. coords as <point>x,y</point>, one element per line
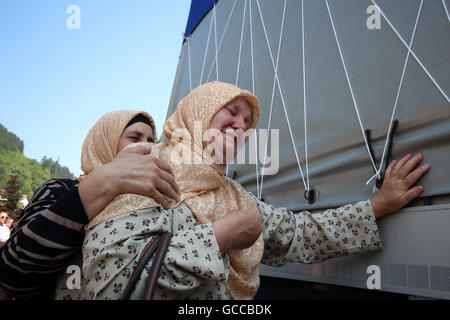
<point>232,112</point>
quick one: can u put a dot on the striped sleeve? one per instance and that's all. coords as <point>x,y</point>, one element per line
<point>49,233</point>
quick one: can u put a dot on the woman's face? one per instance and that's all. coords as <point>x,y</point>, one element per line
<point>231,122</point>
<point>3,217</point>
<point>137,132</point>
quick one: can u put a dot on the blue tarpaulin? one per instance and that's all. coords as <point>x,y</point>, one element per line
<point>199,8</point>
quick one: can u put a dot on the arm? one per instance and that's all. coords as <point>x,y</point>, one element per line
<point>52,228</point>
<point>112,249</point>
<point>239,229</point>
<point>133,170</point>
<point>349,229</point>
<point>311,238</point>
<point>47,236</point>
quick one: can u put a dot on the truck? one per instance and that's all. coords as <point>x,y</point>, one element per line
<point>345,87</point>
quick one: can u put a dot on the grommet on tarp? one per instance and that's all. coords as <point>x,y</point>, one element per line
<point>310,195</point>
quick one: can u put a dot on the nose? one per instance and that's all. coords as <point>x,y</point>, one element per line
<point>239,123</point>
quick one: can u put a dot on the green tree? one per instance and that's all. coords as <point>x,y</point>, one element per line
<point>55,169</point>
<point>30,173</point>
<point>9,141</point>
<point>12,194</point>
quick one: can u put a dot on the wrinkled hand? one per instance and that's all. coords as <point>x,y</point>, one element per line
<point>239,229</point>
<point>397,189</point>
<point>136,171</point>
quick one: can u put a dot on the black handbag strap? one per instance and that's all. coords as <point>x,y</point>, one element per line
<point>148,253</point>
<point>156,265</point>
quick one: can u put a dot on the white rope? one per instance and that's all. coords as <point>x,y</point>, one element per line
<point>377,174</point>
<point>272,99</point>
<point>239,55</point>
<point>215,42</point>
<point>281,95</point>
<point>251,46</point>
<point>253,91</point>
<point>221,39</point>
<point>446,11</point>
<point>304,98</point>
<point>240,44</point>
<point>350,86</point>
<point>189,62</point>
<point>412,52</point>
<point>206,50</point>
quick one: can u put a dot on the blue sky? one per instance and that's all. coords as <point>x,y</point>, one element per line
<point>55,83</point>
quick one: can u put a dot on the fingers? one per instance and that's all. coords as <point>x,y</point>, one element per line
<point>169,179</point>
<point>389,169</point>
<point>400,164</point>
<point>167,185</point>
<point>409,166</point>
<point>166,189</point>
<point>163,165</point>
<point>412,194</point>
<point>142,148</point>
<point>397,189</point>
<point>158,197</point>
<point>414,176</point>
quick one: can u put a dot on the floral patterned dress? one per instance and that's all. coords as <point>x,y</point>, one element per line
<point>193,267</point>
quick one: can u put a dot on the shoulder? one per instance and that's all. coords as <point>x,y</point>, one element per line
<point>53,188</point>
<point>47,194</point>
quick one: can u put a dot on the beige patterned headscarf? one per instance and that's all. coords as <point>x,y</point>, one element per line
<point>101,142</point>
<point>204,188</point>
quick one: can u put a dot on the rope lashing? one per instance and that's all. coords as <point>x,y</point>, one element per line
<point>216,60</point>
<point>253,91</point>
<point>350,85</point>
<point>276,82</point>
<point>281,95</point>
<point>412,52</point>
<point>221,41</point>
<point>189,60</point>
<point>446,11</point>
<point>206,50</point>
<point>304,100</point>
<point>188,41</point>
<point>240,44</point>
<point>378,172</point>
<point>239,55</point>
<point>384,163</point>
<point>272,99</point>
